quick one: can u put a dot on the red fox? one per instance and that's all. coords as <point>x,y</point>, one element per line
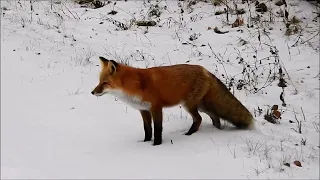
<point>152,89</point>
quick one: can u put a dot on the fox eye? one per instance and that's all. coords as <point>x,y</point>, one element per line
<point>105,83</point>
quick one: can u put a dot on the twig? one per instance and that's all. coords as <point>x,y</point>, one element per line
<point>298,130</point>
<point>219,60</point>
<point>71,12</point>
<point>234,151</point>
<point>310,38</point>
<point>304,117</point>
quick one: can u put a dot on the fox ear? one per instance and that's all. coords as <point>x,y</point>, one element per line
<point>113,65</point>
<point>109,64</point>
<point>104,60</point>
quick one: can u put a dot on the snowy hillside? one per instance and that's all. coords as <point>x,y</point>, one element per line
<point>53,127</point>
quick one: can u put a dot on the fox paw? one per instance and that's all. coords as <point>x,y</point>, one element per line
<point>158,142</point>
<point>189,133</point>
<point>146,139</point>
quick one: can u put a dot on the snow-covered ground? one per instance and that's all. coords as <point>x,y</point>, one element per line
<point>52,127</point>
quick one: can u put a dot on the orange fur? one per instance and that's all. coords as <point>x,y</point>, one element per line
<point>150,90</point>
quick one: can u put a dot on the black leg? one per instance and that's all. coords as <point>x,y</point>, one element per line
<point>215,121</point>
<point>196,120</point>
<point>146,116</point>
<point>157,123</point>
<point>209,110</point>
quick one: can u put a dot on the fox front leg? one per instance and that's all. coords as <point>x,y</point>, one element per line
<point>146,117</point>
<point>157,123</point>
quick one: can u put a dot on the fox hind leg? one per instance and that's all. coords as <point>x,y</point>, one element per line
<point>215,120</point>
<point>193,111</point>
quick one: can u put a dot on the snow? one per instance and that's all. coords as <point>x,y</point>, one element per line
<point>53,127</point>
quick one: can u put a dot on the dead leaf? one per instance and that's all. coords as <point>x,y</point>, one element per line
<point>297,163</point>
<point>276,114</point>
<point>238,22</point>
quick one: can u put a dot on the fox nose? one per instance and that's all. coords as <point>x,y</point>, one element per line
<point>92,92</point>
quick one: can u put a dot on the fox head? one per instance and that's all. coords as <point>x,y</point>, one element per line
<point>107,81</point>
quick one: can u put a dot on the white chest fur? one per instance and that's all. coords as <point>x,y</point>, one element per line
<point>133,101</point>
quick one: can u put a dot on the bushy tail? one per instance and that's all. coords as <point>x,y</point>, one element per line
<point>226,106</point>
